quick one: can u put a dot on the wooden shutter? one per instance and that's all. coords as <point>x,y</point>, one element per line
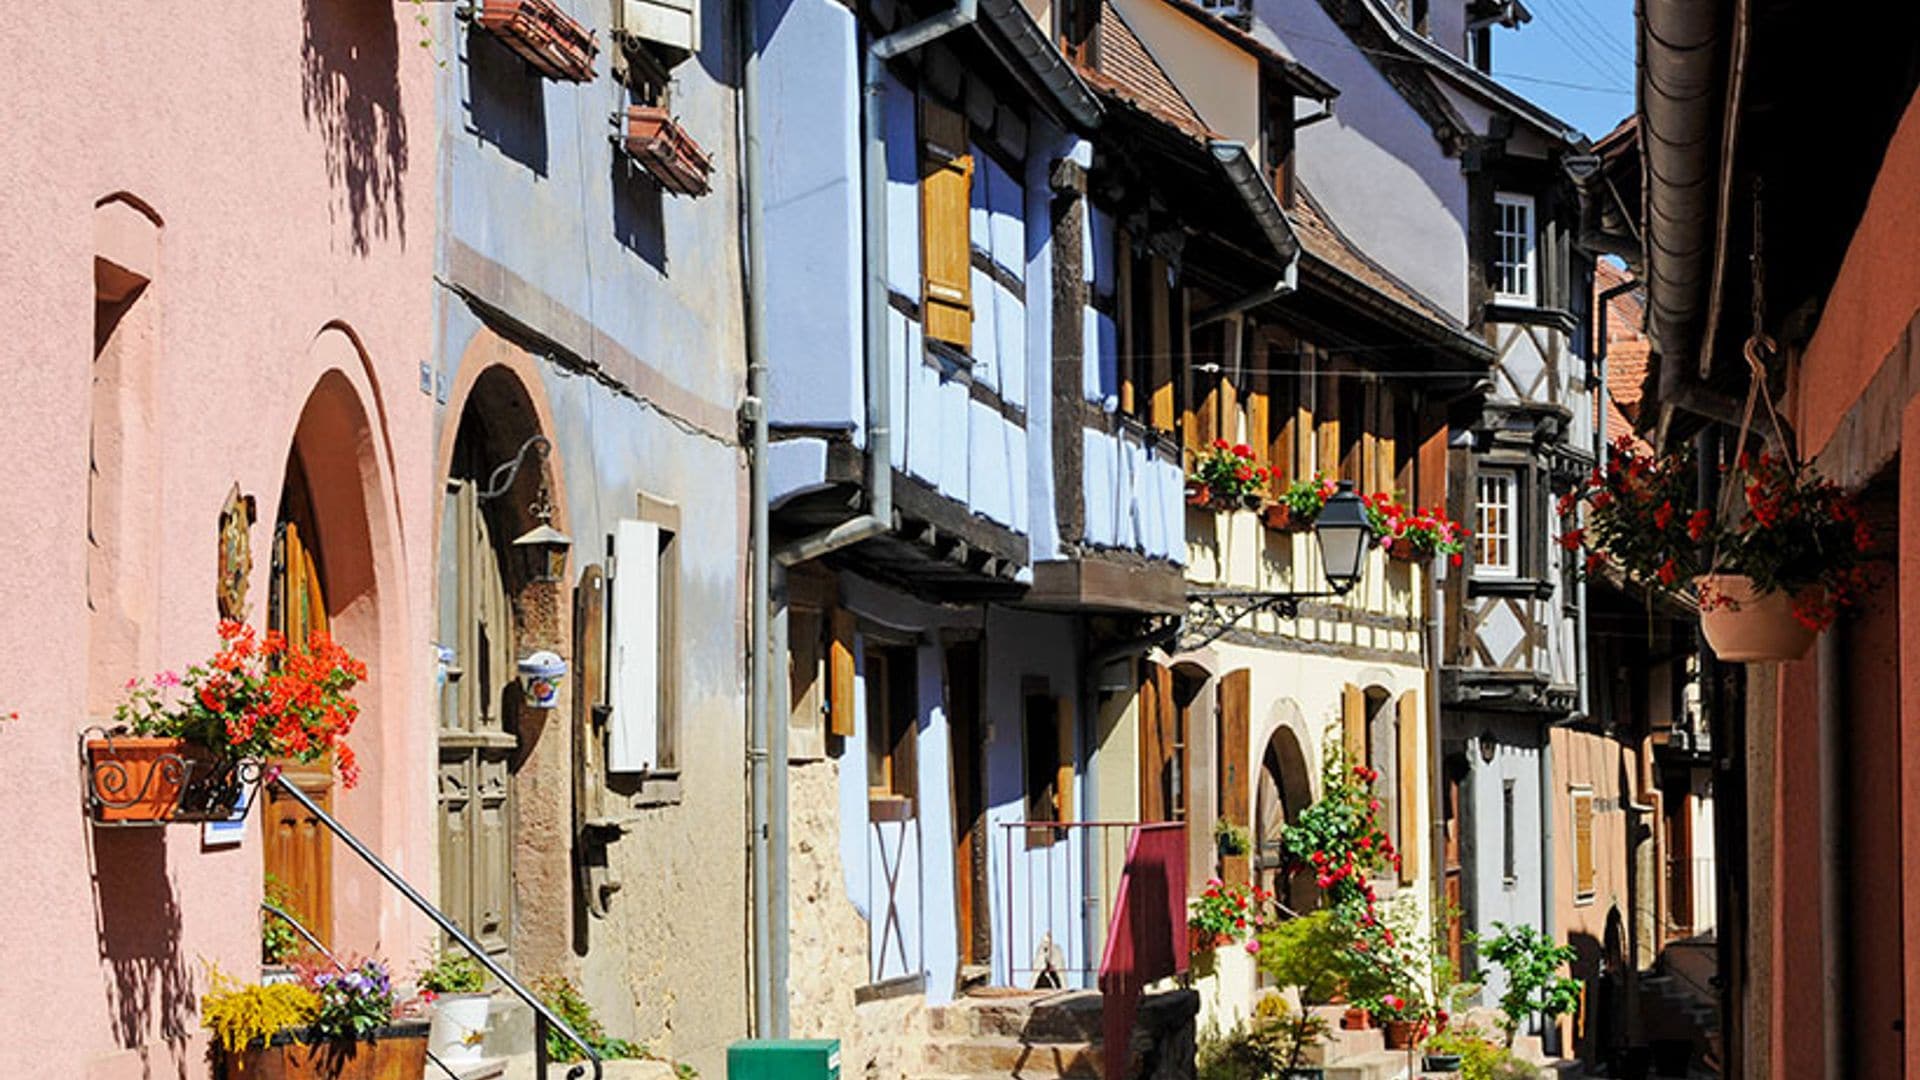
<point>1157,721</point>
<point>1582,843</point>
<point>1430,471</point>
<point>1411,769</point>
<point>1160,345</point>
<point>1326,409</point>
<point>1063,792</point>
<point>840,675</point>
<point>633,735</point>
<point>1259,415</point>
<point>1236,706</point>
<point>946,186</point>
<point>1353,723</point>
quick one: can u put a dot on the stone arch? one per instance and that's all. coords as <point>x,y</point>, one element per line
<point>1284,786</point>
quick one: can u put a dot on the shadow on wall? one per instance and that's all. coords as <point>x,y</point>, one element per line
<point>137,929</point>
<point>350,91</point>
<point>506,101</point>
<point>639,213</point>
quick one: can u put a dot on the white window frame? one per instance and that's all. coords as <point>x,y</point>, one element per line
<point>1508,567</point>
<point>1523,258</point>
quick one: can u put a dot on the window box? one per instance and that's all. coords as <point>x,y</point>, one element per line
<point>141,780</point>
<point>553,42</point>
<point>666,151</point>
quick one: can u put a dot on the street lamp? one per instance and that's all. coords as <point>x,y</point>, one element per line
<point>1344,535</point>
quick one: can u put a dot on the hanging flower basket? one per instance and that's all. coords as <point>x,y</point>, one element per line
<point>544,36</point>
<point>138,780</point>
<point>666,151</point>
<point>1745,624</point>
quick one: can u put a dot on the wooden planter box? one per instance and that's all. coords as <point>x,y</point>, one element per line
<point>391,1053</point>
<point>666,151</point>
<point>544,36</point>
<point>139,780</point>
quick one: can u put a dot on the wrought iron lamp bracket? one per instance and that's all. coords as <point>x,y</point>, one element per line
<point>1211,613</point>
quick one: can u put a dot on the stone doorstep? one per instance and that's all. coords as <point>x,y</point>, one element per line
<point>1005,1057</point>
<point>1376,1065</point>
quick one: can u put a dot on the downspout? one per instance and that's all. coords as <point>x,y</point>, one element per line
<point>1436,759</point>
<point>1833,859</point>
<point>1549,921</point>
<point>767,749</point>
<point>769,1000</point>
<point>873,154</point>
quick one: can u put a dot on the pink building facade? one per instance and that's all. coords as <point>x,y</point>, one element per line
<point>218,226</point>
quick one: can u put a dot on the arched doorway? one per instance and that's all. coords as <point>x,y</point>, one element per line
<point>1285,789</point>
<point>499,473</point>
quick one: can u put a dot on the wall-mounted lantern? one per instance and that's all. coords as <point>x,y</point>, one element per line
<point>543,549</point>
<point>1345,535</point>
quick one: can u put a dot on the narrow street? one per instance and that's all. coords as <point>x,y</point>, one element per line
<point>960,540</point>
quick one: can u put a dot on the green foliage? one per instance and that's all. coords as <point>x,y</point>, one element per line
<point>239,1014</point>
<point>1310,954</point>
<point>1531,961</point>
<point>452,972</point>
<point>279,941</point>
<point>569,1004</point>
<point>1339,839</point>
<point>1230,839</point>
<point>1304,499</point>
<point>1265,1046</point>
<point>1480,1057</point>
<point>1227,913</point>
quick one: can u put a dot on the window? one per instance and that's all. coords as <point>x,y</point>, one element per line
<point>1506,834</point>
<point>1049,764</point>
<point>646,558</point>
<point>1583,845</point>
<point>946,190</point>
<point>891,722</point>
<point>1496,544</point>
<point>1513,256</point>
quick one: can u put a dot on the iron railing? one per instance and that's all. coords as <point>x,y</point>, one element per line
<point>1061,880</point>
<point>543,1017</point>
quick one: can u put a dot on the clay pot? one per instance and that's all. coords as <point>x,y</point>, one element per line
<point>1745,625</point>
<point>1280,516</point>
<point>1356,1019</point>
<point>1400,1034</point>
<point>140,779</point>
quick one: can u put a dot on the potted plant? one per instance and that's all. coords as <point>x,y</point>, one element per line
<point>1411,535</point>
<point>455,985</point>
<point>1299,504</point>
<point>1229,839</point>
<point>1309,955</point>
<point>1224,914</point>
<point>1269,1044</point>
<point>330,1024</point>
<point>1226,478</point>
<point>186,745</point>
<point>1532,963</point>
<point>1771,572</point>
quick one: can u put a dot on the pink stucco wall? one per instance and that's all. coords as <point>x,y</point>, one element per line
<point>288,151</point>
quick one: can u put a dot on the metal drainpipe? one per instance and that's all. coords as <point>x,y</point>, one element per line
<point>1436,761</point>
<point>1833,859</point>
<point>767,748</point>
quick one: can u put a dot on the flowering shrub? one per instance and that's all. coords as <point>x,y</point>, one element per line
<point>1791,531</point>
<point>1339,839</point>
<point>1226,913</point>
<point>257,698</point>
<point>238,1015</point>
<point>355,999</point>
<point>1304,499</point>
<point>1226,478</point>
<point>1427,533</point>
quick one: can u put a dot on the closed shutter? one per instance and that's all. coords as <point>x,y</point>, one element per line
<point>946,185</point>
<point>840,676</point>
<point>1583,844</point>
<point>1411,768</point>
<point>633,735</point>
<point>1353,723</point>
<point>1236,705</point>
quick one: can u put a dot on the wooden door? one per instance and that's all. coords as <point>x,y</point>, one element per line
<point>297,851</point>
<point>1450,794</point>
<point>477,745</point>
<point>1236,750</point>
<point>969,803</point>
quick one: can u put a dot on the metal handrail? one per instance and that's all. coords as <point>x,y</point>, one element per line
<point>543,1017</point>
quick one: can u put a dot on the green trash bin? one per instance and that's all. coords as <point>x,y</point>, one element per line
<point>784,1059</point>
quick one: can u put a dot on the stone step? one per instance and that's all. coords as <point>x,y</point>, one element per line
<point>520,1067</point>
<point>1375,1065</point>
<point>1004,1057</point>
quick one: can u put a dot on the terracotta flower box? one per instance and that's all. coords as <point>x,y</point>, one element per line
<point>1403,550</point>
<point>143,780</point>
<point>666,151</point>
<point>1280,516</point>
<point>544,36</point>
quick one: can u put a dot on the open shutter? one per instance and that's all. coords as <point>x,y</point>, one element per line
<point>840,676</point>
<point>1411,770</point>
<point>1236,704</point>
<point>1582,844</point>
<point>633,738</point>
<point>946,186</point>
<point>1063,792</point>
<point>1353,723</point>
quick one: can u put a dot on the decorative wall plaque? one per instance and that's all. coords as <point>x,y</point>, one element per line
<point>236,554</point>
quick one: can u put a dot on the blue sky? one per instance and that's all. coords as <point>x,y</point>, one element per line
<point>1575,59</point>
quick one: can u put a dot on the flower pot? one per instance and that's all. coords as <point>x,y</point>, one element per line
<point>1355,1019</point>
<point>540,675</point>
<point>1400,1034</point>
<point>138,779</point>
<point>459,1026</point>
<point>666,151</point>
<point>1304,1072</point>
<point>1744,624</point>
<point>1281,517</point>
<point>1402,549</point>
<point>1440,1063</point>
<point>390,1053</point>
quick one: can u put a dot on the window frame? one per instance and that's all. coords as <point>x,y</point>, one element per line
<point>1509,814</point>
<point>1582,897</point>
<point>1509,568</point>
<point>892,723</point>
<point>1530,264</point>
